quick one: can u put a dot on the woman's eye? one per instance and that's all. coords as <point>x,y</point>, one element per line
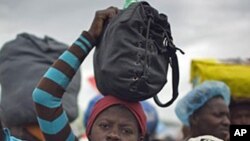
<point>216,114</point>
<point>104,125</point>
<point>127,131</point>
<point>219,115</point>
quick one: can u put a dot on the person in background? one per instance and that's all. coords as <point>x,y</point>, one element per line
<point>205,110</point>
<point>205,138</point>
<point>23,61</point>
<point>111,118</point>
<point>5,134</point>
<point>152,121</point>
<point>240,111</point>
<point>149,109</point>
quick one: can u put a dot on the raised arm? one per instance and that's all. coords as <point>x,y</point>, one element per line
<point>47,95</point>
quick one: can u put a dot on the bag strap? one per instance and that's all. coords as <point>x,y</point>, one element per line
<point>173,61</point>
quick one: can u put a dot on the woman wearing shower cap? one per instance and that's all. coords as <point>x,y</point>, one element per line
<point>205,110</point>
<point>149,110</point>
<point>111,118</point>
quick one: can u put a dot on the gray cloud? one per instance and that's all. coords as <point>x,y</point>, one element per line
<point>202,28</point>
<point>191,20</point>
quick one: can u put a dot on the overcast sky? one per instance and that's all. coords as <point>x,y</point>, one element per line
<point>202,28</point>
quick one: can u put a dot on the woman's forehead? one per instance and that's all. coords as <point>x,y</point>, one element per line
<point>216,103</point>
<point>117,110</point>
<point>117,113</point>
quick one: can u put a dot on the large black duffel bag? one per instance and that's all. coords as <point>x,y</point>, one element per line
<point>23,61</point>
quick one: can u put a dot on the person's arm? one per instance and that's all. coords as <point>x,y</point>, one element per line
<point>47,95</point>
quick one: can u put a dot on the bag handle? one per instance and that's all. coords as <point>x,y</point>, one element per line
<point>173,61</point>
<point>175,83</point>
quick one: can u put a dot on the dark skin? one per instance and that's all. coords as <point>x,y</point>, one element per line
<point>121,126</point>
<point>115,123</point>
<point>240,115</point>
<point>211,119</point>
<point>101,17</point>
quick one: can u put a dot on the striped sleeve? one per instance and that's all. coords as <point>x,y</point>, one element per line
<point>47,96</point>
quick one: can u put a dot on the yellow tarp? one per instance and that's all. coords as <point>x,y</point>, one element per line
<point>236,76</point>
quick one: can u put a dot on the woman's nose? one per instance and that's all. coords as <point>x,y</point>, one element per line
<point>113,135</point>
<point>226,121</point>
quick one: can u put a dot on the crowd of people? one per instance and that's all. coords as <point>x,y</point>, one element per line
<point>204,111</point>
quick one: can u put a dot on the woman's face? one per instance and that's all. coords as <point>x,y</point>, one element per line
<point>240,115</point>
<point>116,123</point>
<point>213,119</point>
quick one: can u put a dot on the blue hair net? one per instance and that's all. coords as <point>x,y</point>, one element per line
<point>150,111</point>
<point>196,98</point>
